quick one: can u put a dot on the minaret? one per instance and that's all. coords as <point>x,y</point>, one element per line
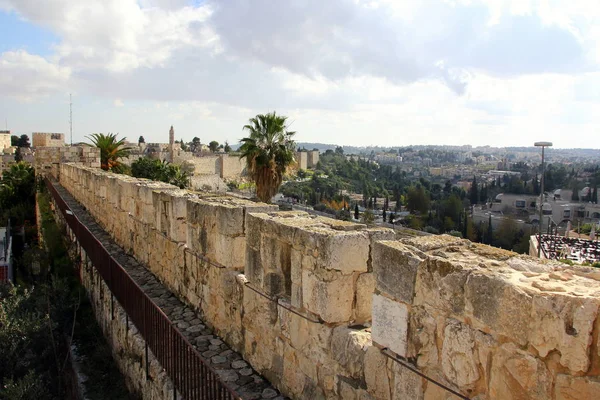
<point>171,142</point>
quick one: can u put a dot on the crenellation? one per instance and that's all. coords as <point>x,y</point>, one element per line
<point>312,302</point>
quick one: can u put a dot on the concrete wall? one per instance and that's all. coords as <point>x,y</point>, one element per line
<point>40,139</point>
<point>311,302</point>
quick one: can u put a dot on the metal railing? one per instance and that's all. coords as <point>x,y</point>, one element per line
<point>192,377</point>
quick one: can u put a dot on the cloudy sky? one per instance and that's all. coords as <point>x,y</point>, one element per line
<point>358,72</point>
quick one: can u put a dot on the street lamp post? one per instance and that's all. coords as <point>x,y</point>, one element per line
<point>542,145</point>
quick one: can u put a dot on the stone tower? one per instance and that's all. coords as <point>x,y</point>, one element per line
<point>171,143</point>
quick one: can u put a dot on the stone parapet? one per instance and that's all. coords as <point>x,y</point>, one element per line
<point>488,322</point>
<point>310,302</point>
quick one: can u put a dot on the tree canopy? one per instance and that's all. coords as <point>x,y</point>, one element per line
<point>268,150</point>
<point>111,150</point>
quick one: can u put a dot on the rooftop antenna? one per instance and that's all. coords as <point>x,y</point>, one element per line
<point>71,118</point>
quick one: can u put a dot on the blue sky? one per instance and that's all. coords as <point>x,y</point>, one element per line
<point>17,33</point>
<point>360,72</point>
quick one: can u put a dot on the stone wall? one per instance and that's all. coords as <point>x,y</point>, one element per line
<point>40,139</point>
<point>486,321</point>
<point>4,139</point>
<point>127,345</point>
<point>302,159</point>
<point>48,159</point>
<point>312,159</point>
<point>232,167</point>
<point>298,295</point>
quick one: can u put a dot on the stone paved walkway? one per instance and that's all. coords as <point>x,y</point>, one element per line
<point>247,383</point>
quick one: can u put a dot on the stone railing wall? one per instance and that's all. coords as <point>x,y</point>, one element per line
<point>321,307</point>
<point>48,159</point>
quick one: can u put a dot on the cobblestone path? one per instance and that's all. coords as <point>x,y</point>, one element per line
<point>230,366</point>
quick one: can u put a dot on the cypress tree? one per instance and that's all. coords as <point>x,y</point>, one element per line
<point>595,195</point>
<point>356,211</point>
<point>474,193</point>
<point>490,232</point>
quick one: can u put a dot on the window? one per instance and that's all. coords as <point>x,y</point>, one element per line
<point>520,203</point>
<point>566,213</point>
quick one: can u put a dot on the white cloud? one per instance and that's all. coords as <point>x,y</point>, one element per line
<point>27,76</point>
<point>358,70</point>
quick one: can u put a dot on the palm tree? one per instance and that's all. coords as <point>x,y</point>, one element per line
<point>269,150</point>
<point>111,150</point>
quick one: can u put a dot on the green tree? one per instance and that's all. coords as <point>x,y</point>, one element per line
<point>367,217</point>
<point>227,147</point>
<point>506,234</point>
<point>14,140</point>
<point>17,193</point>
<point>141,140</point>
<point>195,146</point>
<point>111,150</point>
<point>183,145</point>
<point>213,146</point>
<point>23,141</point>
<point>417,200</point>
<point>268,150</point>
<point>474,192</point>
<point>160,171</point>
<point>356,215</point>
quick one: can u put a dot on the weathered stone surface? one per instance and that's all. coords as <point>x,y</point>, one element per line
<point>459,359</point>
<point>376,374</point>
<point>395,266</point>
<point>564,323</point>
<point>499,305</point>
<point>407,384</point>
<point>518,375</point>
<point>347,252</point>
<point>365,286</point>
<point>348,347</point>
<point>576,388</point>
<point>390,324</point>
<point>332,301</point>
<point>440,284</point>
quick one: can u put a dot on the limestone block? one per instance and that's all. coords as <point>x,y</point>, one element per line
<point>395,266</point>
<point>375,373</point>
<point>253,230</point>
<point>576,388</point>
<point>332,300</point>
<point>310,338</point>
<point>365,286</point>
<point>422,338</point>
<point>459,358</point>
<point>407,384</point>
<point>230,251</point>
<point>253,268</point>
<point>564,323</point>
<point>440,284</point>
<point>499,305</point>
<point>390,324</point>
<point>347,252</point>
<point>230,220</point>
<point>518,375</point>
<point>348,347</point>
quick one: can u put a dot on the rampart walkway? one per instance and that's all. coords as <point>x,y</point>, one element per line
<point>229,365</point>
